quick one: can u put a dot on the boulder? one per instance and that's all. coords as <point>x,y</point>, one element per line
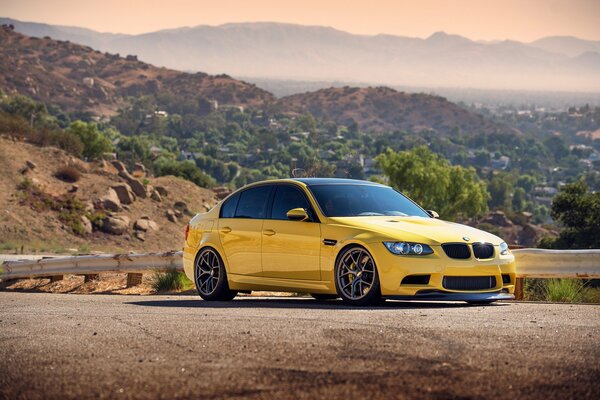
<point>110,201</point>
<point>145,224</point>
<point>73,188</point>
<point>498,218</point>
<point>88,206</point>
<point>86,225</point>
<point>171,215</point>
<point>125,193</point>
<point>156,196</point>
<point>115,225</point>
<point>139,235</point>
<point>182,207</point>
<point>139,170</point>
<point>30,164</point>
<point>222,191</point>
<point>136,185</point>
<point>162,191</point>
<point>119,166</point>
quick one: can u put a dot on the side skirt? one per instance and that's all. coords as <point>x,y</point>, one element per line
<point>247,282</point>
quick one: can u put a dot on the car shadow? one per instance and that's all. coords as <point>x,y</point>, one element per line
<point>305,303</point>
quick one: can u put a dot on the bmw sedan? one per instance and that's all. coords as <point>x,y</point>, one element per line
<point>339,238</point>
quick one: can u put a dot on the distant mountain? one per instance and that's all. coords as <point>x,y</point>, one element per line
<point>383,109</point>
<point>78,78</point>
<point>285,51</point>
<point>567,45</point>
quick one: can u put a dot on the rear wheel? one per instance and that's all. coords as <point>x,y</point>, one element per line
<point>211,277</point>
<point>322,296</point>
<point>356,278</point>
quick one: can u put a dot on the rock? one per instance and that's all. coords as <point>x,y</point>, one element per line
<point>103,167</point>
<point>87,225</point>
<point>136,185</point>
<point>497,218</point>
<point>139,170</point>
<point>162,191</point>
<point>120,167</point>
<point>139,235</point>
<point>155,196</point>
<point>116,225</point>
<point>88,206</point>
<point>73,188</point>
<point>222,191</point>
<point>171,215</point>
<point>145,224</point>
<point>110,201</point>
<point>178,214</point>
<point>30,164</point>
<point>182,207</point>
<point>207,206</point>
<point>125,193</point>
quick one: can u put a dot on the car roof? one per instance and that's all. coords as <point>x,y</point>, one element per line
<point>334,181</point>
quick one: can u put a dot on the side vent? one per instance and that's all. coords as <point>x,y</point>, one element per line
<point>329,242</point>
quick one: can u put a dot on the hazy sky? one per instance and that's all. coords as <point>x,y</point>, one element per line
<point>523,20</point>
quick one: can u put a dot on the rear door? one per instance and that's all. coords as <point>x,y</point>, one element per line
<point>291,249</point>
<point>240,229</point>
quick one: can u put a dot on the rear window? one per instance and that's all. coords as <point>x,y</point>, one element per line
<point>228,208</point>
<point>253,203</point>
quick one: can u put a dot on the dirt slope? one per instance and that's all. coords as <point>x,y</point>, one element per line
<point>39,228</point>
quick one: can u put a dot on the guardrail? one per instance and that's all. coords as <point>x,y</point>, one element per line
<point>531,263</point>
<point>91,265</point>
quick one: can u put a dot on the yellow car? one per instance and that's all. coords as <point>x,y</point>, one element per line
<point>357,240</point>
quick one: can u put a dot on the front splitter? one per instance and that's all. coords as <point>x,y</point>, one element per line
<point>451,296</point>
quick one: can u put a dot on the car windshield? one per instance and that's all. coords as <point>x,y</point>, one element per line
<point>342,200</point>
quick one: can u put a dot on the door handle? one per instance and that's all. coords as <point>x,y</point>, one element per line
<point>269,232</point>
<point>226,229</point>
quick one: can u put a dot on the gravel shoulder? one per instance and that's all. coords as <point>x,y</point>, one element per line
<point>107,346</point>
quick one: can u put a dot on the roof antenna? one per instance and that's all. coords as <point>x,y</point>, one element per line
<point>298,173</point>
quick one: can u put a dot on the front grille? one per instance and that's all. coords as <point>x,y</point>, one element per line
<point>457,250</point>
<point>483,250</point>
<point>505,279</point>
<point>469,282</point>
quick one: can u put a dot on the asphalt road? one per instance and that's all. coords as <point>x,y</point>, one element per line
<point>111,346</point>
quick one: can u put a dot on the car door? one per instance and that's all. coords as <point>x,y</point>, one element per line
<point>291,249</point>
<point>240,229</point>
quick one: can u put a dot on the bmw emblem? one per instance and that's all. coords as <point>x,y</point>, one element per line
<point>466,238</point>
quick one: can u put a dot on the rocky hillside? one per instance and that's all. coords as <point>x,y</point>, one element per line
<point>51,202</point>
<point>384,109</point>
<point>79,78</point>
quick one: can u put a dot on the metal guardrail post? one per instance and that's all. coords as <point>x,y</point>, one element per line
<point>519,288</point>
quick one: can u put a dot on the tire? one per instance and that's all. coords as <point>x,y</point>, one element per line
<point>356,277</point>
<point>210,276</point>
<point>481,302</point>
<point>322,296</point>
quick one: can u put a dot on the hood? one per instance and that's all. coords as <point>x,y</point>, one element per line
<point>417,229</point>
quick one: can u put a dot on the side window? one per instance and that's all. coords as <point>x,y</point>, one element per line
<point>228,209</point>
<point>287,198</point>
<point>253,203</point>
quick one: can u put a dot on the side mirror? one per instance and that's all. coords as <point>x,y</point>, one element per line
<point>297,214</point>
<point>433,214</point>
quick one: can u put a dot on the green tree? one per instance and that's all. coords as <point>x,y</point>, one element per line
<point>430,180</point>
<point>95,144</point>
<point>577,209</point>
<point>500,187</point>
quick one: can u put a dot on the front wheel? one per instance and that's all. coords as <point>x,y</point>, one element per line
<point>356,278</point>
<point>211,277</point>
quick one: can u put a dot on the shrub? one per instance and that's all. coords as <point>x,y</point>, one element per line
<point>564,290</point>
<point>68,174</point>
<point>171,280</point>
<point>95,143</point>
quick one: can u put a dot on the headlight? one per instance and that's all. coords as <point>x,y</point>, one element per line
<point>408,249</point>
<point>503,248</point>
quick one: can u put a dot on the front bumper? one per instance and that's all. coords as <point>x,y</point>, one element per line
<point>453,296</point>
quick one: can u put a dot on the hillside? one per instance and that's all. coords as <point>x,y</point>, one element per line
<point>384,109</point>
<point>78,78</point>
<point>40,211</point>
<point>287,51</point>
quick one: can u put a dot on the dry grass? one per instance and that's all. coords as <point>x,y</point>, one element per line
<point>68,174</point>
